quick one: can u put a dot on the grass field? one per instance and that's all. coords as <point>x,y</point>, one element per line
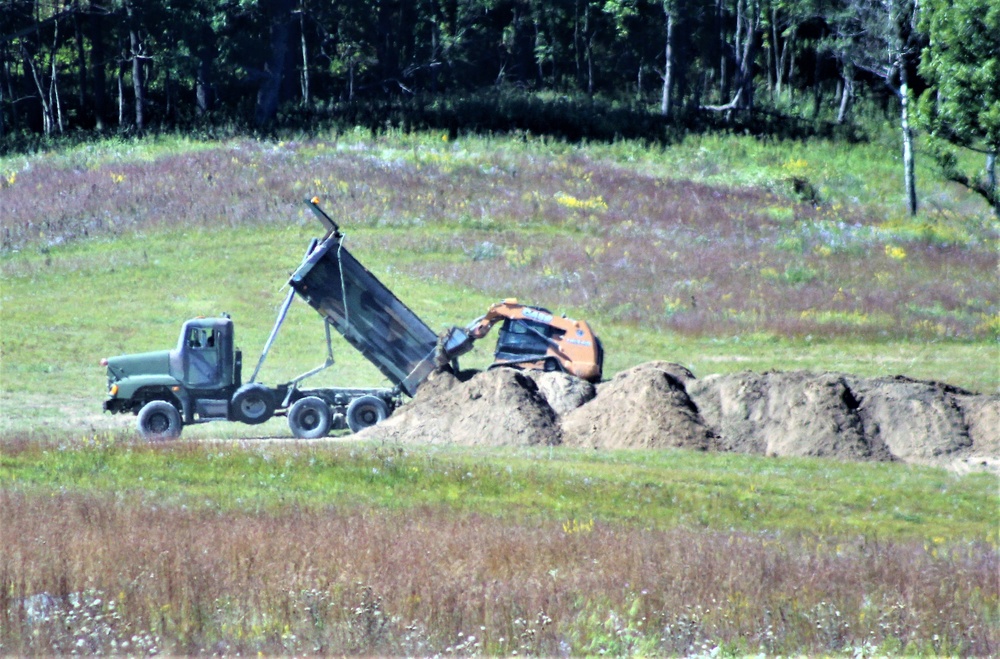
<point>209,547</point>
<point>712,253</point>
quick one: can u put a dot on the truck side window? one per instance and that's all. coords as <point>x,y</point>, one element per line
<point>194,338</point>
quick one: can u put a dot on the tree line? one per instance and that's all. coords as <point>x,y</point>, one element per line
<point>132,65</point>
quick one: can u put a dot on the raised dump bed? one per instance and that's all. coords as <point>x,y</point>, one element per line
<point>366,313</point>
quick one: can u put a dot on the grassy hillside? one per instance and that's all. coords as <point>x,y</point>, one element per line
<point>702,254</point>
<point>722,254</point>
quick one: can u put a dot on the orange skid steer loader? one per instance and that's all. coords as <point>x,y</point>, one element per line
<point>530,338</point>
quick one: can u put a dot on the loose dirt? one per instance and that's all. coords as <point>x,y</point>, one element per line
<point>663,405</point>
<point>500,407</point>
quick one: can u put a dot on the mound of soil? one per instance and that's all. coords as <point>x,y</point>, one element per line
<point>563,392</point>
<point>643,407</point>
<point>793,413</point>
<point>498,407</point>
<point>663,405</point>
<point>848,417</point>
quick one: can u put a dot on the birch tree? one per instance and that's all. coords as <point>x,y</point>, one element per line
<point>888,44</point>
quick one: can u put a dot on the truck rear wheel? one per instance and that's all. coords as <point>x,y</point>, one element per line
<point>252,403</point>
<point>159,420</point>
<point>310,418</point>
<point>365,412</point>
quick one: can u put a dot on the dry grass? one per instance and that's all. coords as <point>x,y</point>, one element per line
<point>561,228</point>
<point>425,582</point>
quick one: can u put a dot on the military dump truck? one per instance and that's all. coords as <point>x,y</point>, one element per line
<point>201,379</point>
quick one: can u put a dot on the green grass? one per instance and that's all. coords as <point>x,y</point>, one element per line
<point>649,490</point>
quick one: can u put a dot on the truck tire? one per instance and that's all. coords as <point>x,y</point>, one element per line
<point>252,404</point>
<point>365,412</point>
<point>159,420</point>
<point>310,418</point>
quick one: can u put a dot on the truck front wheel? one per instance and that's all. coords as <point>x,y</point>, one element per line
<point>365,412</point>
<point>310,418</point>
<point>252,403</point>
<point>159,420</point>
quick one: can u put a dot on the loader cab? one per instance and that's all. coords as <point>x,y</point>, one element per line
<point>205,357</point>
<point>521,339</point>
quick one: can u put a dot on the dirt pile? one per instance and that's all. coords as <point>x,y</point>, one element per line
<point>794,413</point>
<point>644,407</point>
<point>499,407</point>
<point>663,405</point>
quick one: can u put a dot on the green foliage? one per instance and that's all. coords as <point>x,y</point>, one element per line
<point>962,64</point>
<point>961,106</point>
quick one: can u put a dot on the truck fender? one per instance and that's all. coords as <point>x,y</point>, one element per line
<point>131,388</point>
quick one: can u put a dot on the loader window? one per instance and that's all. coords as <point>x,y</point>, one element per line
<point>522,338</point>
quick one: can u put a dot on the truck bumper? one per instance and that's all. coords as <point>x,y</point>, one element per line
<point>116,406</point>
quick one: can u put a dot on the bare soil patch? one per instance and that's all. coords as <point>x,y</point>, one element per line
<point>663,405</point>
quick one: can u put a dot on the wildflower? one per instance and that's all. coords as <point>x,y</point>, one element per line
<point>895,253</point>
<point>569,201</point>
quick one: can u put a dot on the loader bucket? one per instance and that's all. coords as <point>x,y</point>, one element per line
<point>367,314</point>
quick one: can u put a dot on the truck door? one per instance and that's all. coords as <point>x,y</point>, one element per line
<point>203,366</point>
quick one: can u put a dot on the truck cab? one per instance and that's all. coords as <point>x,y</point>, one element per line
<point>198,378</point>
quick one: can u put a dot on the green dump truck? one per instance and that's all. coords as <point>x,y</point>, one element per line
<point>201,379</point>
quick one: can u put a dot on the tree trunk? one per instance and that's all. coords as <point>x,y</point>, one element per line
<point>577,63</point>
<point>991,182</point>
<point>720,27</point>
<point>203,75</point>
<point>54,101</point>
<point>786,66</point>
<point>43,97</point>
<point>138,88</point>
<point>8,84</point>
<point>269,92</point>
<point>776,54</point>
<point>668,69</point>
<point>97,69</point>
<point>539,53</point>
<point>81,63</point>
<point>817,86</point>
<point>304,81</point>
<point>991,171</point>
<point>846,93</point>
<point>908,173</point>
<point>744,67</point>
<point>121,86</point>
<point>3,87</point>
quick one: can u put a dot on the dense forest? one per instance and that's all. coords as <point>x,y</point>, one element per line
<point>575,68</point>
